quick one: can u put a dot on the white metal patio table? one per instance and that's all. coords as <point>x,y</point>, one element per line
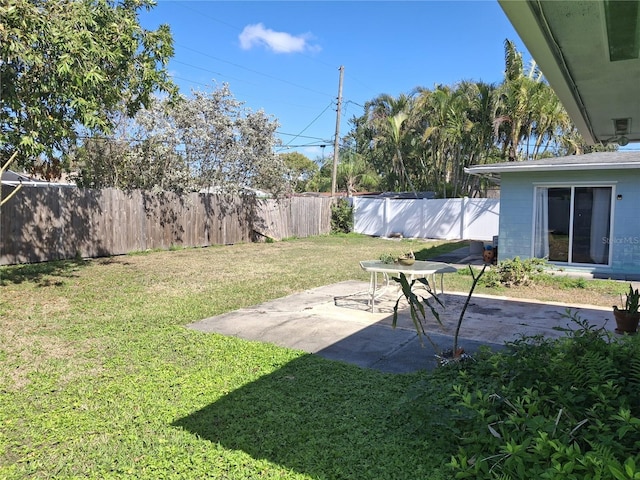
<point>418,269</point>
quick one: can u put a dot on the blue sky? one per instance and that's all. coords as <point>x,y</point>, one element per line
<point>284,57</point>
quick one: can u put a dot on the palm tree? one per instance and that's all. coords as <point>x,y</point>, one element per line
<point>356,174</point>
<point>431,135</point>
<point>397,135</point>
<point>476,142</point>
<point>387,117</point>
<point>385,105</point>
<point>434,106</point>
<point>529,118</point>
<point>514,102</point>
<point>552,121</point>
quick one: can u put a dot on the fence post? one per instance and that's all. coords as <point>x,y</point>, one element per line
<point>463,217</point>
<point>385,220</point>
<point>423,223</point>
<point>355,205</point>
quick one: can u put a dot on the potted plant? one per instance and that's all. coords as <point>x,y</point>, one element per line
<point>627,318</point>
<point>406,258</point>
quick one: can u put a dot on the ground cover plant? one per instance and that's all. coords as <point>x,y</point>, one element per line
<point>555,409</point>
<point>100,379</point>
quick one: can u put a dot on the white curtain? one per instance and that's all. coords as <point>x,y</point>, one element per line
<point>600,222</point>
<point>541,235</point>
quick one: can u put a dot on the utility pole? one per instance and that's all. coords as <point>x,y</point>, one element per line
<point>336,142</point>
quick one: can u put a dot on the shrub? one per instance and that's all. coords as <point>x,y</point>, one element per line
<point>514,272</point>
<point>341,217</point>
<point>553,409</point>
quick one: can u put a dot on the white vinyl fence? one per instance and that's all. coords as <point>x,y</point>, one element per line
<point>450,219</point>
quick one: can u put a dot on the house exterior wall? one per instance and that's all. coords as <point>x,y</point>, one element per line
<point>516,216</point>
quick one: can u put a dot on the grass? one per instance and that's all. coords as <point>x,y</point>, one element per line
<point>549,287</point>
<point>100,379</point>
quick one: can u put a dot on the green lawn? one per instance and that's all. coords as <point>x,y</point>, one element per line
<point>100,379</point>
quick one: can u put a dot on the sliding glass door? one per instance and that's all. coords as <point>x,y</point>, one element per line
<point>572,224</point>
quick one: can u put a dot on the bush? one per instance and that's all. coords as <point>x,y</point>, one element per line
<point>553,409</point>
<point>514,272</point>
<point>341,217</point>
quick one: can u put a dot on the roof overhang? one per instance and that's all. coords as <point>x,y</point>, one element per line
<point>589,53</point>
<point>14,179</point>
<point>590,161</point>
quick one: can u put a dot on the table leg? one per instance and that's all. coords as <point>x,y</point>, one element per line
<point>372,288</point>
<point>434,285</point>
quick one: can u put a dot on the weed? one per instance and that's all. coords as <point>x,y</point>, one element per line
<point>580,283</point>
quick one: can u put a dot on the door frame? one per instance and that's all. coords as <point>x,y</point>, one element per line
<point>573,186</point>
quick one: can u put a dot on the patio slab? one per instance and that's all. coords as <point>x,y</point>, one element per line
<point>335,322</point>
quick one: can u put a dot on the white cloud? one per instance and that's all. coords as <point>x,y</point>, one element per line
<point>279,42</point>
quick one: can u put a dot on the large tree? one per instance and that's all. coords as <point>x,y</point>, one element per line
<point>66,65</point>
<point>426,139</point>
<point>141,153</point>
<point>227,145</point>
<point>354,174</point>
<point>208,141</point>
<point>519,101</point>
<point>300,170</point>
<point>391,135</point>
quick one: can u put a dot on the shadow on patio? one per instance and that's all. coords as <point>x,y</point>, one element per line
<point>335,322</point>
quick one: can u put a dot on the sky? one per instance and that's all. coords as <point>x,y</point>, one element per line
<point>284,57</point>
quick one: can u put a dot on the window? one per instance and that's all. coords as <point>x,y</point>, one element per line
<point>572,224</point>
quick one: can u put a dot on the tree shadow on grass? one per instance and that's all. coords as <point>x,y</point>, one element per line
<point>321,418</point>
<point>42,274</point>
<point>433,251</point>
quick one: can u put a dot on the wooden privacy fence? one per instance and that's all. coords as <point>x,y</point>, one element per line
<point>53,223</point>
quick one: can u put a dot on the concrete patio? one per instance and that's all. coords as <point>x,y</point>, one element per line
<point>335,322</point>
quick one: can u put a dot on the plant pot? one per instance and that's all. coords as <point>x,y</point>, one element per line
<point>626,322</point>
<point>406,261</point>
<point>487,256</point>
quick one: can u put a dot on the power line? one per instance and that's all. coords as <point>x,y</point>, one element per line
<point>351,101</point>
<point>212,71</point>
<point>195,82</point>
<point>322,145</point>
<point>303,136</point>
<point>273,77</point>
<point>237,29</point>
<point>299,135</point>
<point>191,81</point>
<point>312,122</point>
<point>202,14</point>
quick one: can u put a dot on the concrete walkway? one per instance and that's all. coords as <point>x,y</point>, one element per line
<point>335,322</point>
